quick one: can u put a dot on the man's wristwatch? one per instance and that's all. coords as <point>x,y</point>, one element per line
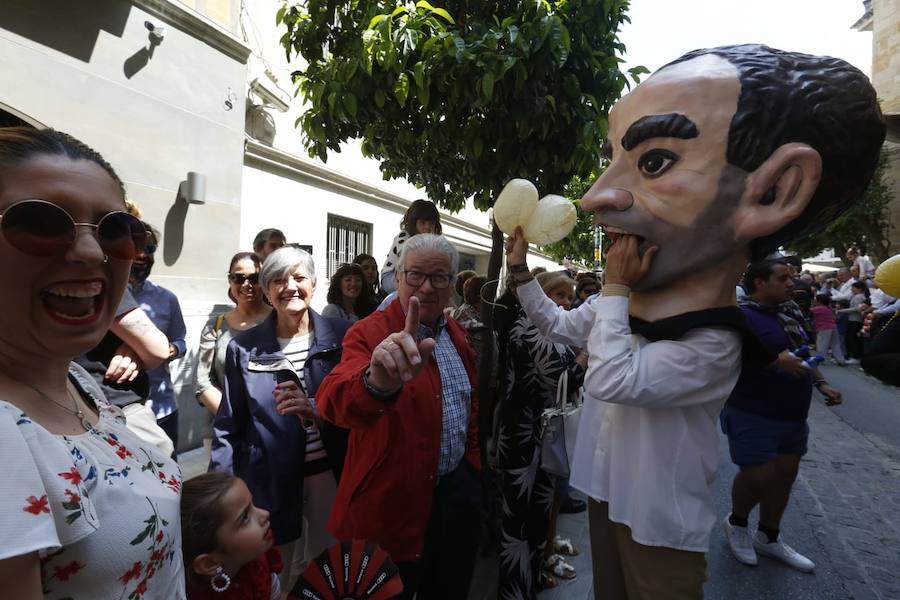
<point>820,383</point>
<point>375,392</point>
<point>522,268</point>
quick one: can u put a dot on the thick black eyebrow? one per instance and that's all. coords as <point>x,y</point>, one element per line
<point>672,125</point>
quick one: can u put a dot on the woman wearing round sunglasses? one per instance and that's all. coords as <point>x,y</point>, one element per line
<point>250,310</point>
<point>266,429</point>
<point>90,510</point>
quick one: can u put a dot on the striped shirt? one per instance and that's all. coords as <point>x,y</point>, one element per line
<point>296,350</point>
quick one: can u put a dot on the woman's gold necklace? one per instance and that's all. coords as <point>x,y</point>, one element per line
<point>79,414</point>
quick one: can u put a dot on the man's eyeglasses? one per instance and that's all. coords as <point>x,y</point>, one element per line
<point>439,281</point>
<point>41,228</point>
<point>240,278</point>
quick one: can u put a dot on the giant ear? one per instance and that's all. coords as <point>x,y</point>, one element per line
<point>778,191</point>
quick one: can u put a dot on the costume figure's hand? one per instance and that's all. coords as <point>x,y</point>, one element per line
<point>516,248</point>
<point>124,366</point>
<point>399,358</point>
<point>624,266</point>
<point>791,364</point>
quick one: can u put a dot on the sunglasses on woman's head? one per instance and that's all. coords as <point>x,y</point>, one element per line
<point>240,278</point>
<point>41,228</point>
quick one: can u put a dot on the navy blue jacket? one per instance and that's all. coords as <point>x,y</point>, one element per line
<point>252,440</point>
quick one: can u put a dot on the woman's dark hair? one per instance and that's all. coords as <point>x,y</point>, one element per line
<point>761,269</point>
<point>461,279</point>
<point>365,303</point>
<point>585,281</point>
<point>263,236</point>
<point>472,289</point>
<point>863,288</point>
<point>202,514</point>
<point>19,144</point>
<point>238,258</point>
<point>824,299</point>
<point>359,259</point>
<point>424,210</point>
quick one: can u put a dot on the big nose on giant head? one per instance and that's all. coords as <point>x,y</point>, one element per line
<point>603,195</point>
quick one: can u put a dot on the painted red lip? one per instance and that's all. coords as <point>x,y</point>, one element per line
<point>269,535</point>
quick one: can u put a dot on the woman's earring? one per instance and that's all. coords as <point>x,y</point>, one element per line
<point>220,581</point>
<point>105,258</point>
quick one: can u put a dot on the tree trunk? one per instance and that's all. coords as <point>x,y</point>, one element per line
<point>487,388</point>
<point>841,250</point>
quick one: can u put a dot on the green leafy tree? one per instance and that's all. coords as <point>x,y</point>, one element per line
<point>865,225</point>
<point>460,98</point>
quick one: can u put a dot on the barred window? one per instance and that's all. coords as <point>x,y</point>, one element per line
<point>346,239</point>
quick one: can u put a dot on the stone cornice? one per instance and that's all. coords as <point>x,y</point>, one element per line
<point>194,23</point>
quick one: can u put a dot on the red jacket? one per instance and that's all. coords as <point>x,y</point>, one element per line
<point>386,488</point>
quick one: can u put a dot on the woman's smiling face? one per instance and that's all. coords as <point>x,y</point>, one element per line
<point>246,292</point>
<point>291,295</point>
<point>61,305</point>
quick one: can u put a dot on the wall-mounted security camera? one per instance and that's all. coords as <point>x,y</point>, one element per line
<point>157,31</point>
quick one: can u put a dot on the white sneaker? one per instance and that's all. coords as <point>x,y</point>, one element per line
<point>781,551</point>
<point>739,541</point>
<point>852,361</point>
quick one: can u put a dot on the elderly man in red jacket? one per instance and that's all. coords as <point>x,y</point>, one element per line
<point>405,388</point>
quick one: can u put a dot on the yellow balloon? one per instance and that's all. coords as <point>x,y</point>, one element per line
<point>887,276</point>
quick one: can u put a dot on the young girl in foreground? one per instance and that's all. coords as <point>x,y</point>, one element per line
<point>228,546</point>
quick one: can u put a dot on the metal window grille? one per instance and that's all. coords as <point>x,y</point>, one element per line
<point>346,239</point>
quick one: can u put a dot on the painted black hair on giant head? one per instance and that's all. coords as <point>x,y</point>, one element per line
<point>817,100</point>
<point>20,144</point>
<point>420,209</point>
<point>761,269</point>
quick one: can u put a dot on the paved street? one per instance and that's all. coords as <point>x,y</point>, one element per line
<point>844,513</point>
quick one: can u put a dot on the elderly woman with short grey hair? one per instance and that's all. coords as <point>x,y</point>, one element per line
<point>266,430</point>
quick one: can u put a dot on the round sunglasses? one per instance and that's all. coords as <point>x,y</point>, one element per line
<point>240,278</point>
<point>41,228</point>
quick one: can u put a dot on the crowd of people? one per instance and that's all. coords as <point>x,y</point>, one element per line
<point>324,424</point>
<point>367,422</point>
<point>844,312</point>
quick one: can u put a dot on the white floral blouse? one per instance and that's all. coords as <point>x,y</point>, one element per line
<point>100,508</point>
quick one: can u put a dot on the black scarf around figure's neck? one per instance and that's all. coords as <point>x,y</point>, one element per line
<point>730,317</point>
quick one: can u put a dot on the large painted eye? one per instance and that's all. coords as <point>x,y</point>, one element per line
<point>656,162</point>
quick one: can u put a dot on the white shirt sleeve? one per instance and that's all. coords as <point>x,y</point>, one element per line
<point>845,292</point>
<point>663,374</point>
<point>554,322</point>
